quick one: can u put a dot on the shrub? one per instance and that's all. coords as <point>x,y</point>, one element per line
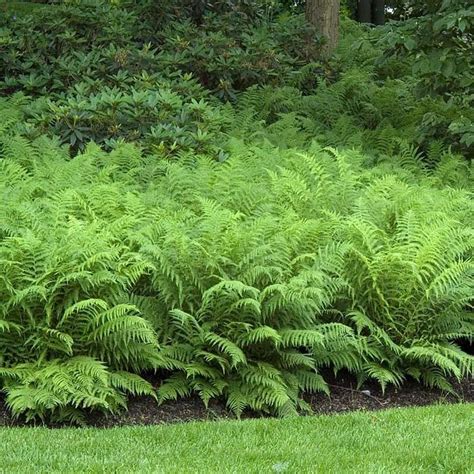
<point>438,41</point>
<point>131,72</point>
<point>165,116</point>
<point>57,47</point>
<point>99,76</point>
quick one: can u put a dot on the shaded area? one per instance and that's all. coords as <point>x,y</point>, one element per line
<point>345,397</point>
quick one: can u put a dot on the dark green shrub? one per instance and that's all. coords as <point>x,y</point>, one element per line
<point>439,41</point>
<point>60,46</point>
<point>56,47</point>
<point>100,76</point>
<point>166,116</point>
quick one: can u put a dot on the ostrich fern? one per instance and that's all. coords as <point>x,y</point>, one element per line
<point>411,275</point>
<point>66,342</point>
<point>238,279</point>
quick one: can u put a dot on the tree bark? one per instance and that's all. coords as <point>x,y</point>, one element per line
<point>324,16</point>
<point>378,12</point>
<point>364,11</point>
<point>371,11</point>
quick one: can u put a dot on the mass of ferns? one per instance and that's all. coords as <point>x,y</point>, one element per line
<point>239,279</point>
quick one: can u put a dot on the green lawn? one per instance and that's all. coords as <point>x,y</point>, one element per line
<point>433,439</point>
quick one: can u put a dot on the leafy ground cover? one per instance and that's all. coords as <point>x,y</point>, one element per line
<point>239,279</point>
<point>434,439</point>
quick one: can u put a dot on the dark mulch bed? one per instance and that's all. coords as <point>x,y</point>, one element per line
<point>344,397</point>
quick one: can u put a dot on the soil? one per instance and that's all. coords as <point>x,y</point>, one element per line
<point>345,397</point>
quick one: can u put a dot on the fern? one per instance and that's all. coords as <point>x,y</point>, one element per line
<point>238,279</point>
<point>64,390</point>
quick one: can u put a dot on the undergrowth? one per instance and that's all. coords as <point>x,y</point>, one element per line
<point>239,279</point>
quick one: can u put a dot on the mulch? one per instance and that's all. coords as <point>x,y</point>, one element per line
<point>345,397</point>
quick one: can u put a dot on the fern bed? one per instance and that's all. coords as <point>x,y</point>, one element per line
<point>432,439</point>
<point>240,280</point>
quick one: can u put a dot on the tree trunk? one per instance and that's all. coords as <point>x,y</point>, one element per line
<point>324,16</point>
<point>364,11</point>
<point>378,12</point>
<point>371,11</point>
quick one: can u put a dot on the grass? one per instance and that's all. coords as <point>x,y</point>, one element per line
<point>430,439</point>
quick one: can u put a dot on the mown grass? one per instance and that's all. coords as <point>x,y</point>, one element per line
<point>430,439</point>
